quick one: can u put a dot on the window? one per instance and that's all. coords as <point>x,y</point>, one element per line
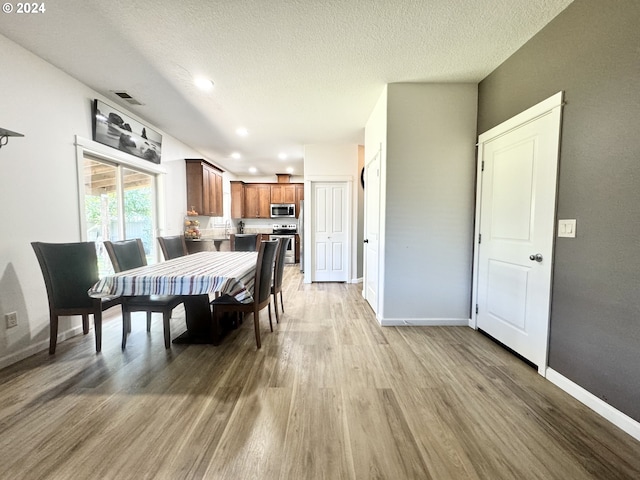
<point>119,204</point>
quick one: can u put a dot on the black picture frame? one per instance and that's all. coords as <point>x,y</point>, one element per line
<point>117,130</point>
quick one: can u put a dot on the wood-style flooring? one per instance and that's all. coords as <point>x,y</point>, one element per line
<point>331,395</point>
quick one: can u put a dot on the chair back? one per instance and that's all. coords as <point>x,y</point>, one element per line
<point>126,254</point>
<point>264,271</point>
<point>245,242</point>
<point>173,247</point>
<point>278,271</point>
<point>69,271</point>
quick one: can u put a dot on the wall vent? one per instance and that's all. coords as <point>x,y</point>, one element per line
<point>128,98</point>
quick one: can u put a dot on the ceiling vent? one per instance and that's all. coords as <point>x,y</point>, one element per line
<point>128,98</point>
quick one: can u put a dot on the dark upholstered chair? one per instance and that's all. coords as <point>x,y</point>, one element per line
<point>69,271</point>
<point>129,254</point>
<point>278,273</point>
<point>173,247</point>
<point>244,242</point>
<point>261,292</point>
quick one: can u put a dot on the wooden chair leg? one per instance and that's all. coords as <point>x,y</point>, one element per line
<point>256,327</point>
<point>53,333</point>
<point>281,302</point>
<point>275,307</point>
<point>97,325</point>
<point>270,323</point>
<point>85,323</point>
<point>149,321</point>
<point>126,323</point>
<point>166,322</point>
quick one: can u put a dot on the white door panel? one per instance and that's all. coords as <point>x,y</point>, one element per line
<point>330,235</point>
<point>512,201</point>
<point>507,293</point>
<point>517,216</point>
<point>372,230</point>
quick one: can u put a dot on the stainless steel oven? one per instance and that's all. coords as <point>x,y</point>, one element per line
<point>286,231</point>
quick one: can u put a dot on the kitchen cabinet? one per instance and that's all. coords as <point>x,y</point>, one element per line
<point>237,199</point>
<point>257,200</point>
<point>283,193</point>
<point>204,187</point>
<point>253,200</point>
<point>264,237</point>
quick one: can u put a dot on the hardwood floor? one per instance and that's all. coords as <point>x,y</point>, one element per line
<point>330,395</point>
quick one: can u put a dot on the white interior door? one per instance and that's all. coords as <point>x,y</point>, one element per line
<point>372,230</point>
<point>517,217</point>
<point>330,223</point>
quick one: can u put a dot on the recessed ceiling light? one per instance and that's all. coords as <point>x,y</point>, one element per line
<point>282,156</point>
<point>236,155</point>
<point>241,131</point>
<point>289,169</point>
<point>203,83</point>
<point>253,169</point>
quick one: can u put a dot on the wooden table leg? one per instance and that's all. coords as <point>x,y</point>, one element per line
<point>201,328</point>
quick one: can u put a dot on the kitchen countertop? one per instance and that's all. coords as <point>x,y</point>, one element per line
<point>206,239</point>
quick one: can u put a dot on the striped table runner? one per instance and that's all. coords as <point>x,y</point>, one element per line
<point>196,274</point>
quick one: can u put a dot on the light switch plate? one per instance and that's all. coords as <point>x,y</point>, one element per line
<point>567,228</point>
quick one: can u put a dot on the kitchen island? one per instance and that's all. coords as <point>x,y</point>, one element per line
<point>207,244</point>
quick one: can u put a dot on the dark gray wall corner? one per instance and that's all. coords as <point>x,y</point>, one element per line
<point>593,54</point>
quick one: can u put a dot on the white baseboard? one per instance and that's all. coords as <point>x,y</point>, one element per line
<point>602,408</point>
<point>424,322</point>
<point>356,280</point>
<point>37,347</point>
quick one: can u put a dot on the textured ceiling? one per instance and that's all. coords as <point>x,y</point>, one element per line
<point>293,72</point>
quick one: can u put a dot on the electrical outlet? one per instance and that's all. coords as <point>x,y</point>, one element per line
<point>12,319</point>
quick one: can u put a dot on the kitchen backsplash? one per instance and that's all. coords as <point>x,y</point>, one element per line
<point>214,227</point>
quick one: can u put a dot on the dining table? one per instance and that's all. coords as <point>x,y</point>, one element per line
<point>198,277</point>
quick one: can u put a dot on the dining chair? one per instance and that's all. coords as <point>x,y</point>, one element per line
<point>261,291</point>
<point>128,254</point>
<point>173,247</point>
<point>245,242</point>
<point>278,273</point>
<point>69,271</point>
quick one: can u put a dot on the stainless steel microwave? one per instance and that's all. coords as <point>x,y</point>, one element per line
<point>282,210</point>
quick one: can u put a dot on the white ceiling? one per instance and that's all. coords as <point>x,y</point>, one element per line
<point>293,72</point>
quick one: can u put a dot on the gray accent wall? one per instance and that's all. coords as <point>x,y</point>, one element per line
<point>592,52</point>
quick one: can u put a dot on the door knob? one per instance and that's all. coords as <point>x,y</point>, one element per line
<point>366,240</point>
<point>537,257</point>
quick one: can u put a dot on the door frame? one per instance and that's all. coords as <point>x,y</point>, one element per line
<point>308,249</point>
<point>529,115</point>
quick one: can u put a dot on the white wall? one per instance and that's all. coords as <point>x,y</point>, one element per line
<point>39,187</point>
<point>427,181</point>
<point>327,163</point>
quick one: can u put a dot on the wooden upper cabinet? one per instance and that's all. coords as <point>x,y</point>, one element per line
<point>204,187</point>
<point>237,199</point>
<point>257,200</point>
<point>283,193</point>
<point>253,200</point>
